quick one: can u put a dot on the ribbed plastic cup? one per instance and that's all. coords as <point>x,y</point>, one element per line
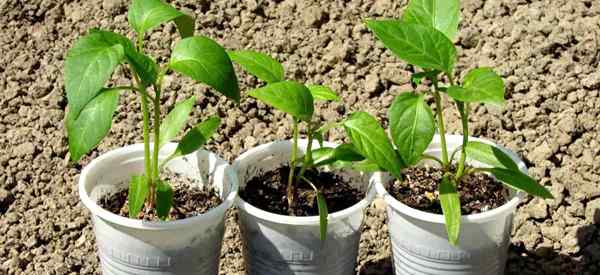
<point>419,239</point>
<point>285,245</point>
<point>130,246</point>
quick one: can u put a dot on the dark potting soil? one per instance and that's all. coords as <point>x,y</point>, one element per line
<point>268,192</point>
<point>478,192</point>
<point>188,200</point>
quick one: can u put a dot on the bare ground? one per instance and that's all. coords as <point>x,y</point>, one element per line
<point>547,51</point>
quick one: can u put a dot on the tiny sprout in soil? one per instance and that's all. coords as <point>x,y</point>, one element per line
<point>90,64</point>
<point>423,38</point>
<point>297,100</point>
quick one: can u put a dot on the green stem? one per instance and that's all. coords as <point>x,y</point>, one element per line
<point>430,157</point>
<point>314,187</point>
<point>140,42</point>
<point>146,123</point>
<point>442,128</point>
<point>290,186</point>
<point>146,128</point>
<point>308,155</point>
<point>454,153</point>
<point>156,124</point>
<point>463,109</point>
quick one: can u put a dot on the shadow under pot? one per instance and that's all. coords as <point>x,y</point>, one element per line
<point>277,243</point>
<point>419,239</point>
<point>131,246</point>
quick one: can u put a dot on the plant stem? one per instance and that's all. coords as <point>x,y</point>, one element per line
<point>290,186</point>
<point>145,116</point>
<point>463,109</point>
<point>308,154</point>
<point>146,129</point>
<point>442,128</point>
<point>140,42</point>
<point>430,157</point>
<point>156,124</point>
<point>147,159</point>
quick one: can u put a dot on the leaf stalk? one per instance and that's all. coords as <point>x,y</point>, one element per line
<point>290,185</point>
<point>440,117</point>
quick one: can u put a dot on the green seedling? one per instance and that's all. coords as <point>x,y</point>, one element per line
<point>297,100</point>
<point>423,38</point>
<point>90,64</point>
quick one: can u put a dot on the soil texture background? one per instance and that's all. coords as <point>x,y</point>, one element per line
<point>546,50</point>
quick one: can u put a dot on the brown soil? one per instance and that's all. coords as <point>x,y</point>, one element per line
<point>478,192</point>
<point>188,201</point>
<point>268,192</point>
<point>545,50</point>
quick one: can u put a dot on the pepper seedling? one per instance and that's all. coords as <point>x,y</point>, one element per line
<point>423,38</point>
<point>93,59</point>
<point>297,100</point>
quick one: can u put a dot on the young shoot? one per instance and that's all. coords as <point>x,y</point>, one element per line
<point>297,100</point>
<point>423,38</point>
<point>91,62</point>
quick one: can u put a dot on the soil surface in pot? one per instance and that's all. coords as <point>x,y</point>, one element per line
<point>268,192</point>
<point>189,200</point>
<point>478,192</point>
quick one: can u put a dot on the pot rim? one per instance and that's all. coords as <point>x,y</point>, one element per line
<point>478,218</point>
<point>98,211</point>
<point>292,220</point>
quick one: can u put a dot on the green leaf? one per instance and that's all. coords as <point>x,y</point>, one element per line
<point>418,45</point>
<point>412,126</point>
<point>138,192</point>
<point>197,136</point>
<point>450,203</point>
<point>366,165</point>
<point>371,141</point>
<point>490,155</point>
<point>347,152</point>
<point>89,64</point>
<point>142,64</point>
<point>323,156</point>
<point>258,64</point>
<point>344,152</point>
<point>442,15</point>
<point>175,120</point>
<point>164,199</point>
<point>144,15</point>
<point>93,123</point>
<point>288,96</point>
<point>520,181</point>
<point>323,212</point>
<point>204,60</point>
<point>480,85</point>
<point>321,92</point>
<point>144,67</point>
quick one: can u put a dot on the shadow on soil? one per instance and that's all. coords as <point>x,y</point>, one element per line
<point>544,260</point>
<point>378,267</point>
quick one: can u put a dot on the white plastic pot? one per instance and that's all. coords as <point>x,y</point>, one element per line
<point>281,244</point>
<point>130,246</point>
<point>419,239</point>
